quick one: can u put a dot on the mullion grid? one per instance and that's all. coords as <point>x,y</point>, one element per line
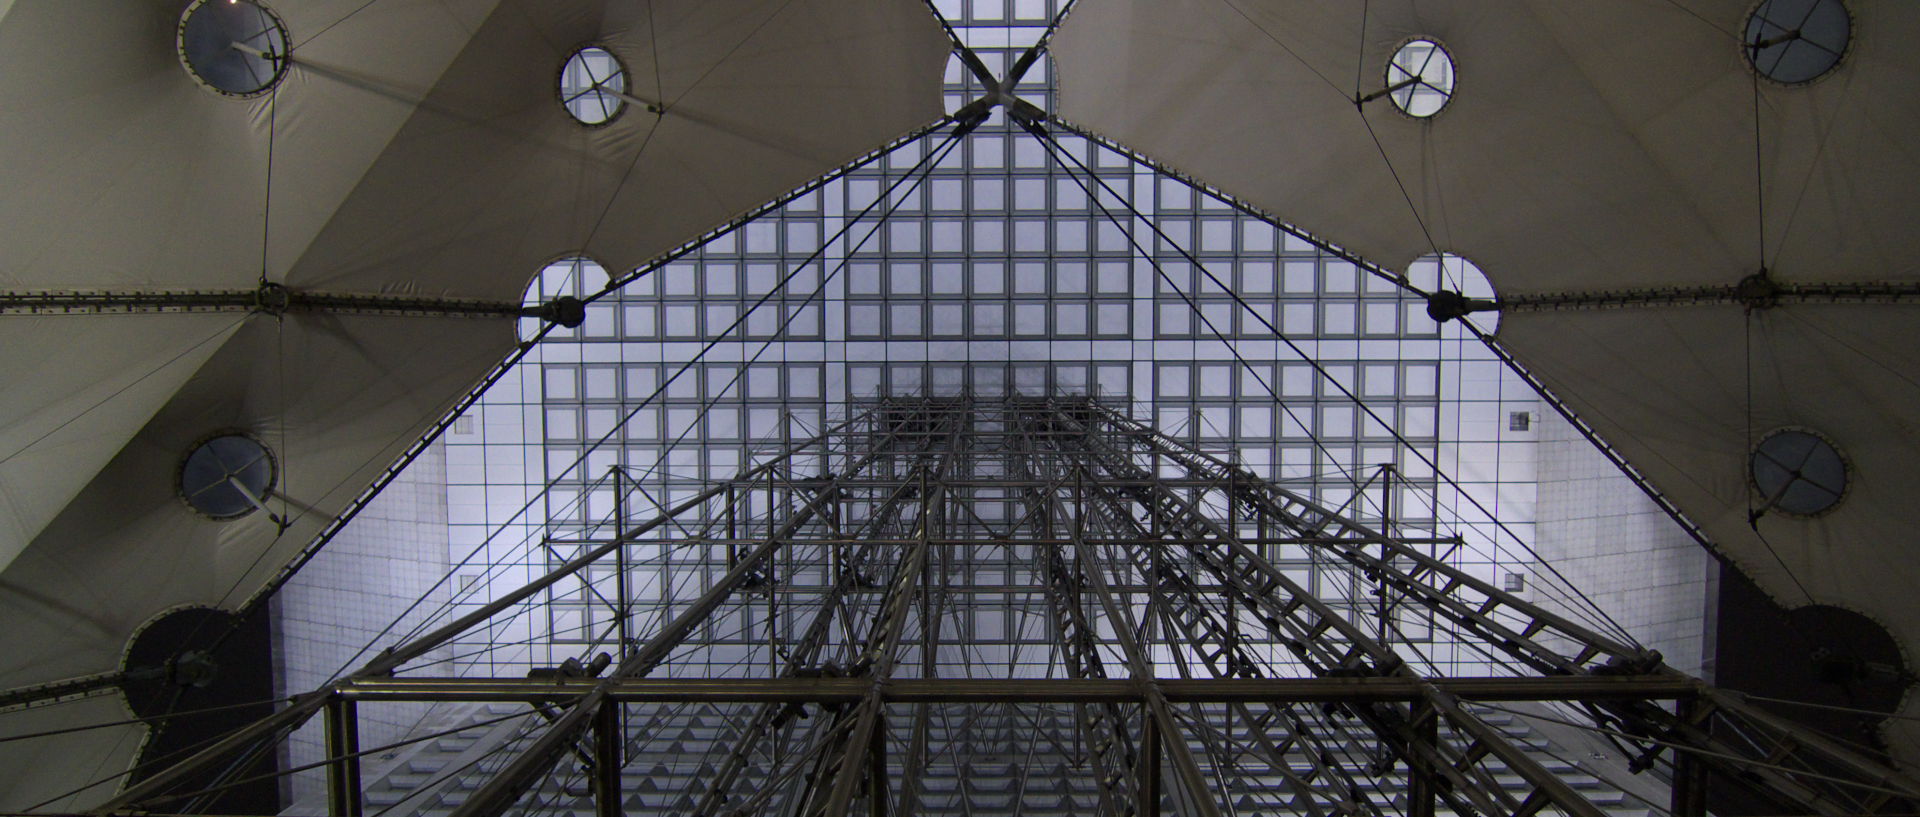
<point>999,254</point>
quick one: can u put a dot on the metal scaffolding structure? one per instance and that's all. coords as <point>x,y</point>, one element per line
<point>825,633</point>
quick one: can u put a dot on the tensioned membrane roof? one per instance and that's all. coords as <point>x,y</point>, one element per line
<point>1616,169</point>
<point>416,163</point>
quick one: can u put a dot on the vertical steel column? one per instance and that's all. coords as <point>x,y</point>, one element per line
<point>609,739</point>
<point>881,654</point>
<point>1147,786</point>
<point>733,528</point>
<point>343,753</point>
<point>1174,740</point>
<point>622,594</point>
<point>773,718</point>
<point>1103,725</point>
<point>1689,774</point>
<point>878,790</point>
<point>1386,528</point>
<point>1116,759</point>
<point>911,767</point>
<point>882,649</point>
<point>1421,781</point>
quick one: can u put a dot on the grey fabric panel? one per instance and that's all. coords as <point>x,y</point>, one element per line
<point>1590,147</point>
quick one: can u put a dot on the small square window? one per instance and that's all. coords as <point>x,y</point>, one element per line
<point>904,236</point>
<point>721,279</point>
<point>989,236</point>
<point>989,319</point>
<point>641,320</point>
<point>949,319</point>
<point>1070,319</point>
<point>988,152</point>
<point>949,279</point>
<point>1030,279</point>
<point>1216,235</point>
<point>1515,583</point>
<point>948,194</point>
<point>989,194</point>
<point>1519,421</point>
<point>904,280</point>
<point>1030,194</point>
<point>1030,319</point>
<point>905,319</point>
<point>989,279</point>
<point>1069,196</point>
<point>720,318</point>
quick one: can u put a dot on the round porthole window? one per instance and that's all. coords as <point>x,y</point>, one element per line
<point>1420,77</point>
<point>1795,41</point>
<point>566,283</point>
<point>236,47</point>
<point>227,475</point>
<point>1460,290</point>
<point>592,85</point>
<point>1798,472</point>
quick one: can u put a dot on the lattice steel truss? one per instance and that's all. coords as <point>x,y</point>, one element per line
<point>812,652</point>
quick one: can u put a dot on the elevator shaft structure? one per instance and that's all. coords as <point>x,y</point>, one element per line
<point>973,607</point>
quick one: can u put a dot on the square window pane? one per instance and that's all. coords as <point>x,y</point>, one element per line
<point>989,279</point>
<point>904,279</point>
<point>863,320</point>
<point>1070,320</point>
<point>989,236</point>
<point>905,319</point>
<point>989,319</point>
<point>989,194</point>
<point>1030,319</point>
<point>949,279</point>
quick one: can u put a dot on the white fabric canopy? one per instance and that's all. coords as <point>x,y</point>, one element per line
<point>418,149</point>
<point>1593,147</point>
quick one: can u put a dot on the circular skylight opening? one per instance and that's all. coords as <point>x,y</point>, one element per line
<point>1451,273</point>
<point>571,278</point>
<point>1795,41</point>
<point>592,85</point>
<point>236,47</point>
<point>227,476</point>
<point>1420,78</point>
<point>1798,472</point>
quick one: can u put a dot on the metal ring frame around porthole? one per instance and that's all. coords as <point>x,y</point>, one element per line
<point>1386,75</point>
<point>1759,492</point>
<point>560,79</point>
<point>180,472</point>
<point>1746,53</point>
<point>280,65</point>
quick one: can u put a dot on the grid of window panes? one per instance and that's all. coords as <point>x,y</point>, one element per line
<point>995,276</point>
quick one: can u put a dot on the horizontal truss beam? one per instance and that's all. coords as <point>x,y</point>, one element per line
<point>1018,690</point>
<point>1741,294</point>
<point>1039,541</point>
<point>271,298</point>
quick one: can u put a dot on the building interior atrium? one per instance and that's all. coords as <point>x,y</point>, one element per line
<point>958,407</point>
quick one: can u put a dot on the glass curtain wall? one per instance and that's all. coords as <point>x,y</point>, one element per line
<point>993,273</point>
